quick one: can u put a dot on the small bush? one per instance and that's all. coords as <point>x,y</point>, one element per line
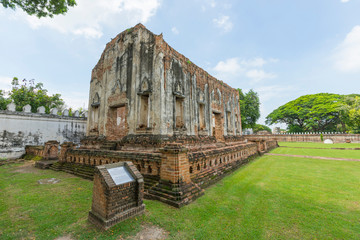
<point>321,137</point>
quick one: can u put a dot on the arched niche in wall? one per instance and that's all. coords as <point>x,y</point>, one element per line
<point>145,90</point>
<point>218,96</point>
<point>179,96</point>
<point>94,117</point>
<point>145,87</point>
<point>201,104</point>
<point>117,86</point>
<point>95,100</point>
<point>178,78</point>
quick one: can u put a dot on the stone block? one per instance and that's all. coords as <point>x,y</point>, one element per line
<point>41,109</point>
<point>27,108</point>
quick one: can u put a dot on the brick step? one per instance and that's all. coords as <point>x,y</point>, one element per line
<point>178,200</point>
<point>177,193</point>
<point>81,172</point>
<point>108,145</point>
<point>86,176</point>
<point>171,196</point>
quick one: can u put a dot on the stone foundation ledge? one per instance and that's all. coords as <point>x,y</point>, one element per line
<point>176,195</point>
<point>105,224</point>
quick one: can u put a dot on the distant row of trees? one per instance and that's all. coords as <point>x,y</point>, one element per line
<point>250,111</point>
<point>29,92</point>
<point>322,112</point>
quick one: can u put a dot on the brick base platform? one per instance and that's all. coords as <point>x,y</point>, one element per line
<point>106,224</point>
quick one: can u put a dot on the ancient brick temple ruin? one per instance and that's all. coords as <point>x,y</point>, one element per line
<point>151,105</point>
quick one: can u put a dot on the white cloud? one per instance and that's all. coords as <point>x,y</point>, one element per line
<point>89,18</point>
<point>345,1</point>
<point>255,62</point>
<point>252,69</point>
<point>229,66</point>
<point>208,3</point>
<point>258,74</point>
<point>224,23</point>
<point>75,100</point>
<point>270,98</point>
<point>175,30</point>
<point>267,93</point>
<point>347,54</point>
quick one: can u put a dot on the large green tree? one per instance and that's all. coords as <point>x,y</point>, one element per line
<point>29,92</point>
<point>40,8</point>
<point>249,107</point>
<point>350,113</point>
<point>315,112</point>
<point>260,127</point>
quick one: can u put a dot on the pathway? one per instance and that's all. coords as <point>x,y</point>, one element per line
<point>316,157</point>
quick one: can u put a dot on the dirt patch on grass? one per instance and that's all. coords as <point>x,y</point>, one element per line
<point>150,232</point>
<point>28,167</point>
<point>67,237</point>
<point>315,157</point>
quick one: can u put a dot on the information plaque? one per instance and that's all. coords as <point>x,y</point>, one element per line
<point>120,175</point>
<point>117,194</point>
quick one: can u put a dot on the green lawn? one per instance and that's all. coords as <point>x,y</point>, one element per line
<point>319,145</point>
<point>353,154</point>
<point>273,197</point>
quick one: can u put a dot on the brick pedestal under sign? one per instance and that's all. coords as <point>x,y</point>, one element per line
<point>116,199</point>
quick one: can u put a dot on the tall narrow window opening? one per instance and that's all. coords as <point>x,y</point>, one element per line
<point>179,113</point>
<point>202,116</point>
<point>144,111</point>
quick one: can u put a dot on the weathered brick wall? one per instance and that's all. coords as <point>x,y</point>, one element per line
<point>147,163</point>
<point>141,85</point>
<point>206,167</point>
<point>174,174</point>
<point>34,150</point>
<point>200,164</point>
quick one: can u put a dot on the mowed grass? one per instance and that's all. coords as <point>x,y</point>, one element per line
<point>319,145</point>
<point>273,197</point>
<point>332,153</point>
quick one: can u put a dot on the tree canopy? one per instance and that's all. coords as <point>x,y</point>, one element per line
<point>314,112</point>
<point>350,113</point>
<point>40,8</point>
<point>250,108</point>
<point>29,92</point>
<point>260,127</point>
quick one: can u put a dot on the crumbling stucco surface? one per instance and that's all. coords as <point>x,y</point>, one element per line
<point>143,86</point>
<point>18,129</point>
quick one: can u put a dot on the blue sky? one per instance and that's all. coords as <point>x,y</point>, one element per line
<point>282,49</point>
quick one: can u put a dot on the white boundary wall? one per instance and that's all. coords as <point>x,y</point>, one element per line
<point>18,129</point>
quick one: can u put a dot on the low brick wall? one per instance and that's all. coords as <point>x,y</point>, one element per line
<point>146,163</point>
<point>207,167</point>
<point>34,150</point>
<point>174,175</point>
<point>336,138</point>
<point>204,165</point>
